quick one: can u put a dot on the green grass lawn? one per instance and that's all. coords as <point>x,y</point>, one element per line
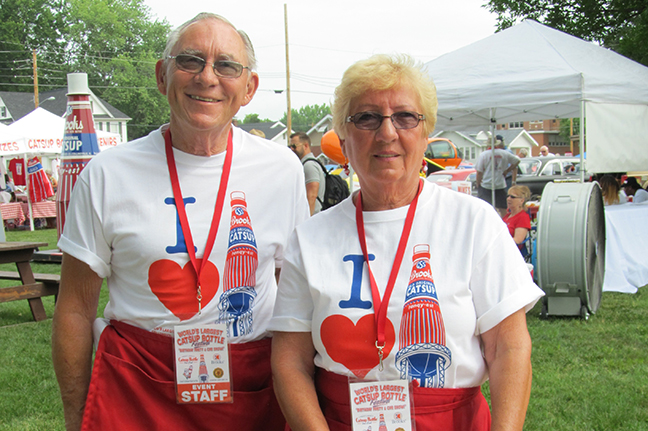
<point>587,375</point>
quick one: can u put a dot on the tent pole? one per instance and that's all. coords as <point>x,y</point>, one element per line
<point>31,217</point>
<point>492,144</point>
<point>581,131</point>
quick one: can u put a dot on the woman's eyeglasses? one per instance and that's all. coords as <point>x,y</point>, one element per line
<point>513,197</point>
<point>369,120</point>
<point>193,64</point>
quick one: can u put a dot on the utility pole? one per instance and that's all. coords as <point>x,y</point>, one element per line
<point>289,112</point>
<point>35,79</point>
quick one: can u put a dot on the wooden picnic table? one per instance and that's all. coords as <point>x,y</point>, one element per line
<point>21,253</point>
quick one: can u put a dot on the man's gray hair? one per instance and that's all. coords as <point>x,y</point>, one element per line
<point>174,37</point>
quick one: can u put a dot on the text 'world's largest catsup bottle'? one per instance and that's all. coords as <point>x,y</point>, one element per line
<point>79,142</point>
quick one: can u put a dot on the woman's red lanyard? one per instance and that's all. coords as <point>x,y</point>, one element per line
<point>380,307</point>
<point>182,214</point>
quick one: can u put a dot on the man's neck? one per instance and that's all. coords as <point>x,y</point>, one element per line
<point>201,143</point>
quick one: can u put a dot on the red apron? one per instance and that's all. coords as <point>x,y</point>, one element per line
<point>132,387</point>
<point>461,409</point>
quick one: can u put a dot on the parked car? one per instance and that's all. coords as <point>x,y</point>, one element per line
<point>444,153</point>
<point>447,177</point>
<point>536,172</point>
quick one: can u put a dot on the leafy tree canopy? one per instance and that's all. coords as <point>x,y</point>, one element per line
<point>254,118</point>
<point>116,42</point>
<point>621,25</point>
<point>306,117</point>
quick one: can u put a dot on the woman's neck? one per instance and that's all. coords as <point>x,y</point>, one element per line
<point>386,198</point>
<point>516,211</point>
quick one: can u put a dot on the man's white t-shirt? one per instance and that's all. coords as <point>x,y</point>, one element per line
<point>122,221</point>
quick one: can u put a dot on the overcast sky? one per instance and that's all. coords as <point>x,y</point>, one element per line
<point>326,37</point>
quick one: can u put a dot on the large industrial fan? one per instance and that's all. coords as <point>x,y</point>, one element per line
<point>571,249</point>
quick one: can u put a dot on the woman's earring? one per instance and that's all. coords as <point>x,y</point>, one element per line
<point>346,169</point>
<point>424,167</point>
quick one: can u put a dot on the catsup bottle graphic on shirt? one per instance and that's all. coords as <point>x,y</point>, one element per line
<point>422,354</point>
<point>79,142</point>
<point>241,264</point>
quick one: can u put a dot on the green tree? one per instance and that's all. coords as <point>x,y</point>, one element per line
<point>116,42</point>
<point>567,127</point>
<point>306,117</point>
<point>28,26</point>
<point>621,25</point>
<point>254,118</point>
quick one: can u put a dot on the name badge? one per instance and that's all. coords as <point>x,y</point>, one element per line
<point>202,364</point>
<point>381,405</point>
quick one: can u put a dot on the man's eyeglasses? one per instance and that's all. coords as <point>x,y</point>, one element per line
<point>513,197</point>
<point>369,120</point>
<point>193,64</point>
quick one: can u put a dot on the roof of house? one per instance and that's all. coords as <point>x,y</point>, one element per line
<point>20,104</point>
<point>271,130</point>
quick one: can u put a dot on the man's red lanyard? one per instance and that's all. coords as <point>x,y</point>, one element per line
<point>182,214</point>
<point>380,307</point>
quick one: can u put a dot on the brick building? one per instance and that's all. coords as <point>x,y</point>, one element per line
<point>546,132</point>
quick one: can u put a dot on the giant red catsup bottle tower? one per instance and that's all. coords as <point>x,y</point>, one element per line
<point>79,142</point>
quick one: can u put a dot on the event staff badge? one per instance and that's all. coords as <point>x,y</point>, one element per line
<point>202,364</point>
<point>381,405</point>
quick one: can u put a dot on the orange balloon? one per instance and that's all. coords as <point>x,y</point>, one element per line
<point>331,147</point>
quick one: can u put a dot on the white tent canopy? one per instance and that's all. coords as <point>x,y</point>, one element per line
<point>533,72</point>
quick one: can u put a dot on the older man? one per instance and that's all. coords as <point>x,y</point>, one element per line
<point>544,152</point>
<point>313,172</point>
<point>183,235</point>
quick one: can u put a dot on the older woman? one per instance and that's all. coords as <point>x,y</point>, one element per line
<point>349,304</point>
<point>517,219</point>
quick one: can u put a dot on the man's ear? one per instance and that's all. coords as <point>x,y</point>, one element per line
<point>252,86</point>
<point>161,76</point>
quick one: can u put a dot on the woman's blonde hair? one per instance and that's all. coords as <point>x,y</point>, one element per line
<point>379,73</point>
<point>523,192</point>
<point>609,189</point>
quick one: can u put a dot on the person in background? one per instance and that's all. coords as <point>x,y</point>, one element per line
<point>632,188</point>
<point>517,219</point>
<point>313,172</point>
<point>257,132</point>
<point>523,153</point>
<point>468,322</point>
<point>611,191</point>
<point>52,180</point>
<point>492,175</point>
<point>544,152</point>
<point>188,226</point>
<point>10,188</point>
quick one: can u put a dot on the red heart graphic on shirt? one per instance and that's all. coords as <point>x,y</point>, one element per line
<point>354,346</point>
<point>175,287</point>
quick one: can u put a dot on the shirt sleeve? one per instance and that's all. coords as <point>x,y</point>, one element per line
<point>312,172</point>
<point>82,235</point>
<point>501,282</point>
<point>293,309</point>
